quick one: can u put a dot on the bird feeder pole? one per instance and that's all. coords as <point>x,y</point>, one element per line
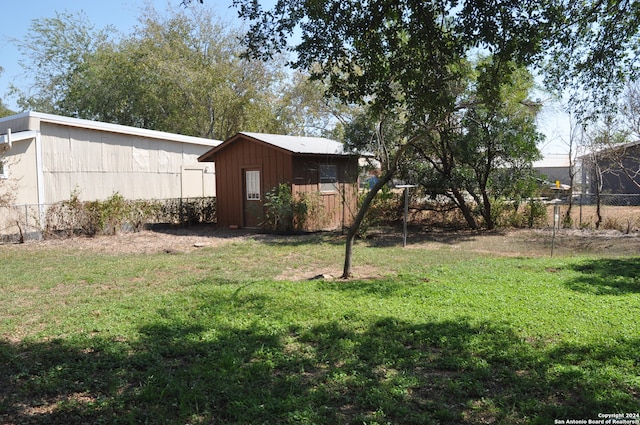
<point>406,188</point>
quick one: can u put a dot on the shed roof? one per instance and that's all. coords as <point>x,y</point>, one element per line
<point>31,120</point>
<point>294,144</point>
<point>302,145</point>
<point>553,161</point>
<point>608,149</point>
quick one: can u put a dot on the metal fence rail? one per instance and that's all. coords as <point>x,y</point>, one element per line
<point>28,222</point>
<point>614,199</point>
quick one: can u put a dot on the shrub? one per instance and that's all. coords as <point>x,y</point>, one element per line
<point>114,214</point>
<point>108,216</point>
<point>186,211</point>
<point>279,209</point>
<point>532,214</point>
<point>286,212</point>
<point>309,211</point>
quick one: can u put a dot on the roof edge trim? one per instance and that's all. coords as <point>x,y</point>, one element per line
<point>112,128</point>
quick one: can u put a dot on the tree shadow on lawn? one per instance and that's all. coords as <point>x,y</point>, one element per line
<point>393,236</point>
<point>378,237</point>
<point>298,239</point>
<point>390,371</point>
<point>608,276</point>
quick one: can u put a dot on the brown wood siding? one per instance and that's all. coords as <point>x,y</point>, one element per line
<point>274,166</point>
<point>339,207</point>
<point>278,166</point>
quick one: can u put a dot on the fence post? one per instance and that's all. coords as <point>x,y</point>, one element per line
<point>580,220</point>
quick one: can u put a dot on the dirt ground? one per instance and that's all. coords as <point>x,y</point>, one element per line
<point>518,242</point>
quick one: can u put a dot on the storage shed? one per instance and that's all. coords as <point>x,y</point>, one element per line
<point>554,167</point>
<point>249,165</point>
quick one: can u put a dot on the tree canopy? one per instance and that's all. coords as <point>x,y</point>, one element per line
<point>589,48</point>
<point>412,62</point>
<point>591,51</point>
<point>177,71</point>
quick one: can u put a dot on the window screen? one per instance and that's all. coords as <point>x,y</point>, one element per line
<point>328,178</point>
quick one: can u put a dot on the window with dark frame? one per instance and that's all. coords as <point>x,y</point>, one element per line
<point>328,178</point>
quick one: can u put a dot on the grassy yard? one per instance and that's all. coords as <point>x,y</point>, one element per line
<point>219,336</point>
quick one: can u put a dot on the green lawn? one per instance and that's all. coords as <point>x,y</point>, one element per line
<point>215,336</point>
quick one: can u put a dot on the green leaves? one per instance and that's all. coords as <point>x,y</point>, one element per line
<point>592,51</point>
<point>177,72</point>
<point>53,55</point>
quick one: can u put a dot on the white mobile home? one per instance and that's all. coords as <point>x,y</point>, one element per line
<point>47,157</point>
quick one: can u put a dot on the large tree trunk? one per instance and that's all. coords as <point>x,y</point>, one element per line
<point>464,208</point>
<point>486,211</point>
<point>353,230</point>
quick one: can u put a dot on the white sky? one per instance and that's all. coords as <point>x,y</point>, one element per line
<point>123,15</point>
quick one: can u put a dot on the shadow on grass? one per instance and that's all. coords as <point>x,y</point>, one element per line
<point>608,276</point>
<point>389,372</point>
<point>379,237</point>
<point>393,236</point>
<point>301,239</point>
<point>380,287</point>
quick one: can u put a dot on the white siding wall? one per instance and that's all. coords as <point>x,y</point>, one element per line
<point>98,164</point>
<point>21,166</point>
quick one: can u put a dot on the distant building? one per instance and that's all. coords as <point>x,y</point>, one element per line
<point>554,168</point>
<point>44,159</point>
<point>619,169</point>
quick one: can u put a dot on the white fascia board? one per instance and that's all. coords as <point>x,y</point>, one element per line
<point>116,128</point>
<point>19,136</point>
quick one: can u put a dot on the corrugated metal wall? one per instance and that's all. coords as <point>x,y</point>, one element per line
<point>23,177</point>
<point>98,164</point>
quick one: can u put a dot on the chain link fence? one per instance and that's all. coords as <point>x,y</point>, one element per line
<point>34,222</point>
<point>18,223</point>
<point>606,212</point>
<point>610,212</point>
<point>21,222</point>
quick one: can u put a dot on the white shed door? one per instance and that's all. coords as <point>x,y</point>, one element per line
<point>192,183</point>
